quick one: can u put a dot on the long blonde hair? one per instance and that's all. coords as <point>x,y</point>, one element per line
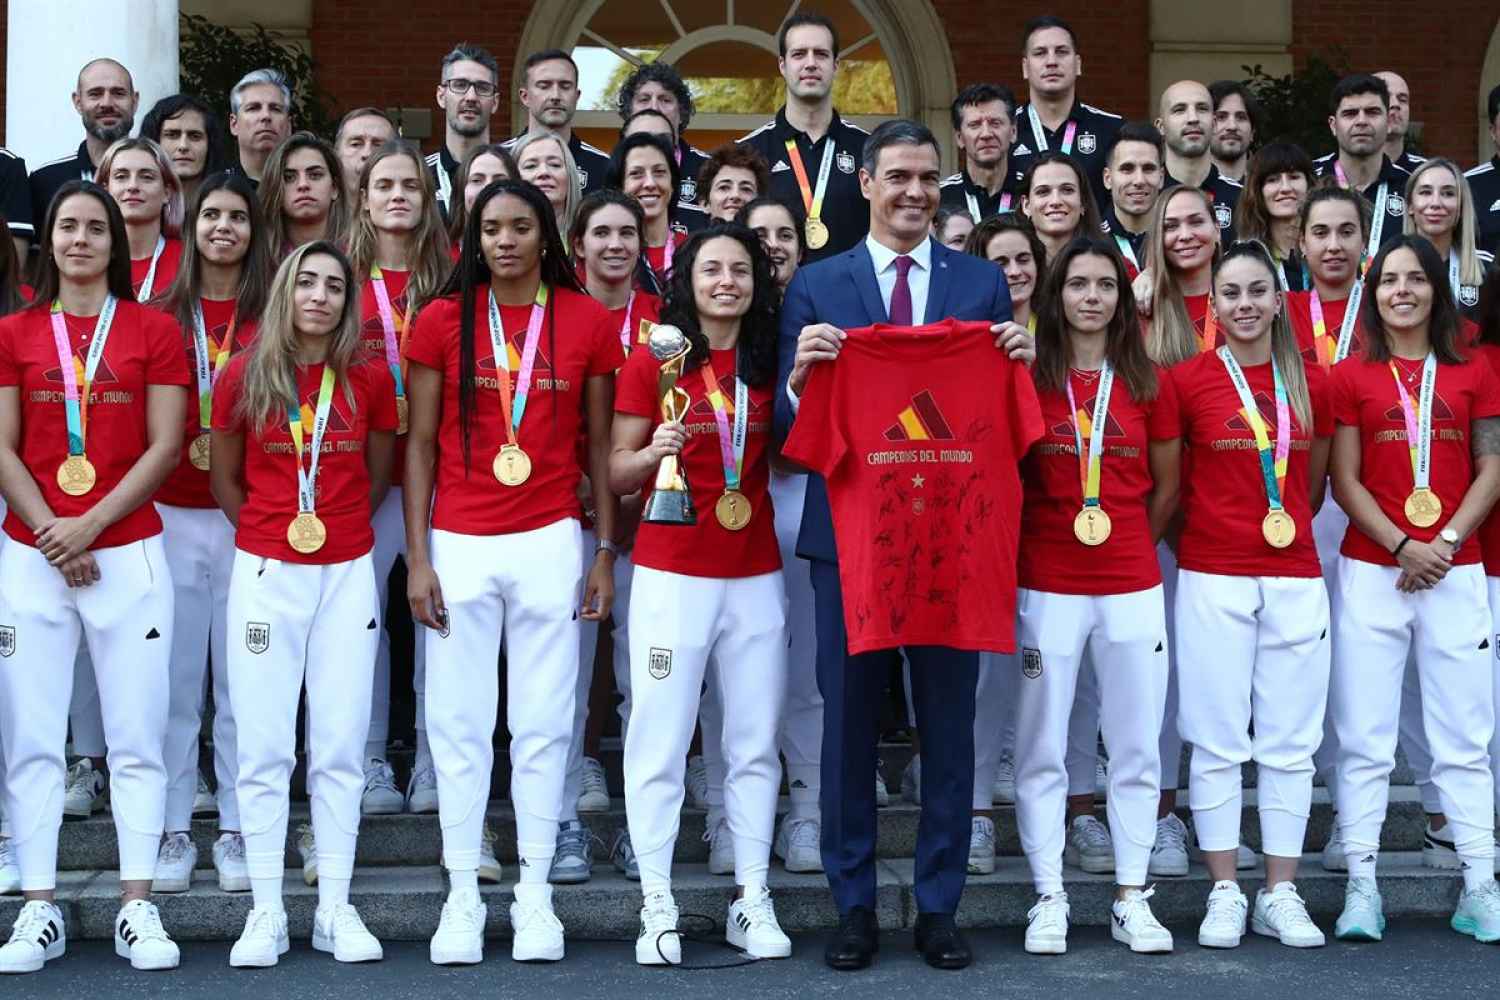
<point>273,185</point>
<point>172,209</point>
<point>1470,268</point>
<point>1284,349</point>
<point>271,372</point>
<point>575,182</point>
<point>428,262</point>
<point>1171,337</point>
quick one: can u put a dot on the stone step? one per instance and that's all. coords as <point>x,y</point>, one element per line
<point>405,839</point>
<point>403,903</point>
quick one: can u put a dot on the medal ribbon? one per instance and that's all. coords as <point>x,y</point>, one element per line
<point>76,398</point>
<point>1329,353</point>
<point>625,324</point>
<point>444,183</point>
<point>731,449</point>
<point>512,413</point>
<point>1377,222</point>
<point>1453,280</point>
<point>201,365</point>
<point>394,325</point>
<point>1127,251</point>
<point>307,472</point>
<point>1419,423</point>
<point>1273,461</point>
<point>1040,134</point>
<point>1088,463</point>
<point>812,200</point>
<point>145,292</point>
<point>1210,329</point>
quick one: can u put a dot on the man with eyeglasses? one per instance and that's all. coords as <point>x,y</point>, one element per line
<point>468,94</point>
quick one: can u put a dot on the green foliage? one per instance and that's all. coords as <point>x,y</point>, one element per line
<point>1296,106</point>
<point>213,58</point>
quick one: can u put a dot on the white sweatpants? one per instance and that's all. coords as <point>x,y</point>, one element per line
<point>1254,652</point>
<point>85,718</point>
<point>294,624</point>
<point>678,624</point>
<point>126,620</point>
<point>390,542</point>
<point>802,716</point>
<point>524,585</point>
<point>1449,629</point>
<point>1126,634</point>
<point>199,543</point>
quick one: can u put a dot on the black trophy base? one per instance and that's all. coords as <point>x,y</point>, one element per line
<point>670,507</point>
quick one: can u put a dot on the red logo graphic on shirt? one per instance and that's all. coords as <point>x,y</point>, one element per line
<point>704,408</point>
<point>103,375</point>
<point>514,346</point>
<point>1440,408</point>
<point>1265,403</point>
<point>1112,427</point>
<point>921,421</point>
<point>337,421</point>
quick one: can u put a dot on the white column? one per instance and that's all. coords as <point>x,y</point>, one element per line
<point>48,42</point>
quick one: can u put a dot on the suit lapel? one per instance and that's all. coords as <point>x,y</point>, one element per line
<point>862,270</point>
<point>937,285</point>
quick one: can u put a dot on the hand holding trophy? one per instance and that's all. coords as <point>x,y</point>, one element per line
<point>671,501</point>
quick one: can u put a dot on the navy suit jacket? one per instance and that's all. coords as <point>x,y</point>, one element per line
<point>842,291</point>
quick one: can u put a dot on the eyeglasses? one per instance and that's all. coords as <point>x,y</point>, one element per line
<point>458,85</point>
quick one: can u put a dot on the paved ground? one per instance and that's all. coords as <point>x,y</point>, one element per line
<point>1418,958</point>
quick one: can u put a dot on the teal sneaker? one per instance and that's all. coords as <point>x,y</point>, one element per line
<point>1362,919</point>
<point>1478,913</point>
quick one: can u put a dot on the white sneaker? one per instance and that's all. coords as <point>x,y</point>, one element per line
<point>1363,918</point>
<point>1334,859</point>
<point>139,936</point>
<point>381,796</point>
<point>263,941</point>
<point>1169,855</point>
<point>1101,776</point>
<point>10,872</point>
<point>460,935</point>
<point>593,793</point>
<point>84,791</point>
<point>1089,846</point>
<point>798,844</point>
<point>1438,850</point>
<point>175,861</point>
<point>490,871</point>
<point>338,930</point>
<point>752,928</point>
<point>1281,913</point>
<point>1047,925</point>
<point>720,846</point>
<point>229,862</point>
<point>204,803</point>
<point>981,846</point>
<point>307,847</point>
<point>911,781</point>
<point>1478,913</point>
<point>1224,924</point>
<point>882,793</point>
<point>38,936</point>
<point>421,791</point>
<point>697,781</point>
<point>1135,925</point>
<point>1004,789</point>
<point>658,943</point>
<point>538,932</point>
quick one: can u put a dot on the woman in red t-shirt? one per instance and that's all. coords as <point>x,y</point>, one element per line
<point>492,467</point>
<point>1252,610</point>
<point>303,437</point>
<point>706,585</point>
<point>642,165</point>
<point>1416,464</point>
<point>216,299</point>
<point>399,253</point>
<point>1099,488</point>
<point>140,178</point>
<point>91,412</point>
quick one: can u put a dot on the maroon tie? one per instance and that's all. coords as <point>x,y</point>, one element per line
<point>901,294</point>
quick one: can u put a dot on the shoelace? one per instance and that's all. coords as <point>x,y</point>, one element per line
<point>145,920</point>
<point>1364,888</point>
<point>529,912</point>
<point>575,839</point>
<point>1169,834</point>
<point>379,774</point>
<point>175,847</point>
<point>802,833</point>
<point>759,911</point>
<point>1049,914</point>
<point>261,923</point>
<point>33,917</point>
<point>593,776</point>
<point>1096,834</point>
<point>1287,907</point>
<point>1138,909</point>
<point>234,847</point>
<point>1229,906</point>
<point>346,920</point>
<point>712,833</point>
<point>80,777</point>
<point>467,917</point>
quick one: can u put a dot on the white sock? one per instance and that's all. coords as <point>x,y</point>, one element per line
<point>332,891</point>
<point>375,748</point>
<point>535,868</point>
<point>534,894</point>
<point>1362,863</point>
<point>1477,870</point>
<point>462,880</point>
<point>424,752</point>
<point>266,894</point>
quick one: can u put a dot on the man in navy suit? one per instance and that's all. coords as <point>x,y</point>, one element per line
<point>898,274</point>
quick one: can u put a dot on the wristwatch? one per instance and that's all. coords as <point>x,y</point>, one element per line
<point>1451,537</point>
<point>605,545</point>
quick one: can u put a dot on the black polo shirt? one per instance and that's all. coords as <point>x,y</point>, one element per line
<point>1409,161</point>
<point>1226,195</point>
<point>958,189</point>
<point>846,213</point>
<point>593,162</point>
<point>442,168</point>
<point>690,161</point>
<point>1484,183</point>
<point>1390,175</point>
<point>1091,143</point>
<point>1137,242</point>
<point>15,196</point>
<point>1468,295</point>
<point>46,179</point>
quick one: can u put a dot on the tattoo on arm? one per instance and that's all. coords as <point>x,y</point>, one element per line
<point>1486,436</point>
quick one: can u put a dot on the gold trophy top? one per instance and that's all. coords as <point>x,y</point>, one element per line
<point>669,345</point>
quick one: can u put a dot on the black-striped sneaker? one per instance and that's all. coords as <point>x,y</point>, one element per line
<point>37,937</point>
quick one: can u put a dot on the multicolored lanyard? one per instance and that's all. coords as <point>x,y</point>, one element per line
<point>307,468</point>
<point>625,323</point>
<point>1089,462</point>
<point>1454,282</point>
<point>1377,221</point>
<point>208,372</point>
<point>1127,251</point>
<point>144,292</point>
<point>1040,134</point>
<point>973,202</point>
<point>394,326</point>
<point>1418,421</point>
<point>731,447</point>
<point>75,396</point>
<point>812,198</point>
<point>512,412</point>
<point>1273,459</point>
<point>1210,329</point>
<point>1331,353</point>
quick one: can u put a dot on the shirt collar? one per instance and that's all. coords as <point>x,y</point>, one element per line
<point>786,128</point>
<point>884,257</point>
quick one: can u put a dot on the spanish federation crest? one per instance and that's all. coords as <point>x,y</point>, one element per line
<point>583,178</point>
<point>845,161</point>
<point>7,640</point>
<point>659,663</point>
<point>257,636</point>
<point>688,190</point>
<point>1031,663</point>
<point>1087,142</point>
<point>1223,215</point>
<point>1395,205</point>
<point>1468,295</point>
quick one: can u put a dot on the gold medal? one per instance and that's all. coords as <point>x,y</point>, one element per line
<point>1278,528</point>
<point>198,452</point>
<point>817,234</point>
<point>733,510</point>
<point>1092,526</point>
<point>76,476</point>
<point>1423,508</point>
<point>307,533</point>
<point>403,414</point>
<point>512,465</point>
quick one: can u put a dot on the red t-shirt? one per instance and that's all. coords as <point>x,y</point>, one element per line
<point>578,341</point>
<point>1224,500</point>
<point>708,548</point>
<point>1299,311</point>
<point>657,256</point>
<point>919,432</point>
<point>166,270</point>
<point>144,349</point>
<point>372,337</point>
<point>1052,558</point>
<point>1364,396</point>
<point>1488,534</point>
<point>270,472</point>
<point>188,486</point>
